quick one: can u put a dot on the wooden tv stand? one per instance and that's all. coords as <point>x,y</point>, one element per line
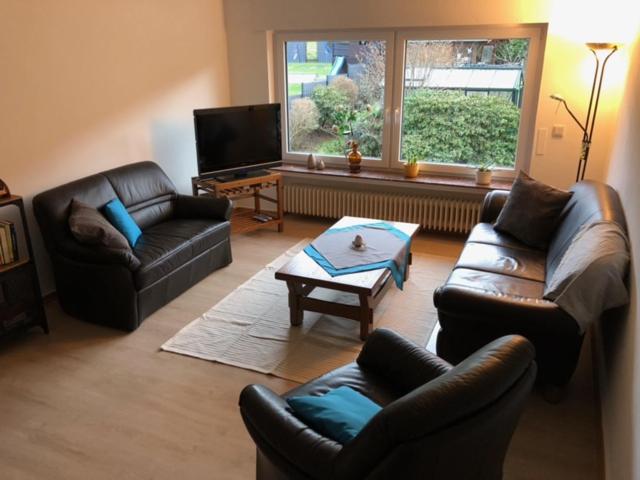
<point>250,187</point>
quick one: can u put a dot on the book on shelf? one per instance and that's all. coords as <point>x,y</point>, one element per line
<point>8,243</point>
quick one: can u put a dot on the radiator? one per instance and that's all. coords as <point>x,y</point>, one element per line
<point>430,211</point>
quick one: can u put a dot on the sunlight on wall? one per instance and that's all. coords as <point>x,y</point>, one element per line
<point>614,21</point>
<point>575,22</point>
<point>584,21</point>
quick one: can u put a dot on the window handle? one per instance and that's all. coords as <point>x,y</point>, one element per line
<point>396,113</point>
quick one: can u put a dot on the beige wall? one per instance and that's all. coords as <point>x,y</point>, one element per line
<point>568,70</point>
<point>86,85</point>
<point>620,379</point>
<point>567,65</point>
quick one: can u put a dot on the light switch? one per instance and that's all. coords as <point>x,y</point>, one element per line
<point>541,141</point>
<point>557,131</point>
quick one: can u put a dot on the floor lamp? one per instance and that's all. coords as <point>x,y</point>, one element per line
<point>598,50</point>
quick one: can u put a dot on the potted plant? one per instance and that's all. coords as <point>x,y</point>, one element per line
<point>483,173</point>
<point>411,167</point>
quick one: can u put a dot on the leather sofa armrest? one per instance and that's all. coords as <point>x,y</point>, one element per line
<point>277,432</point>
<point>412,365</point>
<point>188,206</point>
<point>78,252</point>
<point>480,307</point>
<point>492,205</point>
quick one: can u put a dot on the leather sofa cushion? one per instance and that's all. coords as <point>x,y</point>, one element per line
<point>485,233</point>
<point>351,375</point>
<point>515,262</point>
<point>490,298</point>
<point>497,284</point>
<point>145,190</point>
<point>140,182</point>
<point>89,226</point>
<point>169,245</point>
<point>52,208</point>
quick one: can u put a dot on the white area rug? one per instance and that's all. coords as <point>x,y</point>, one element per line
<point>250,327</point>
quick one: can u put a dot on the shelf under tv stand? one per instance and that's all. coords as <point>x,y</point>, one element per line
<point>249,187</point>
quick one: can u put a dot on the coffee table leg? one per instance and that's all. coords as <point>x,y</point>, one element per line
<point>366,316</point>
<point>406,271</point>
<point>295,312</point>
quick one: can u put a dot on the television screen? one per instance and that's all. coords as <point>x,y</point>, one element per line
<point>237,139</point>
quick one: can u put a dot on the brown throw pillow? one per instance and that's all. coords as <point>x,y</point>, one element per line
<point>89,226</point>
<point>532,211</point>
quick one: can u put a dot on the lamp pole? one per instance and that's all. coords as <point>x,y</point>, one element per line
<point>594,99</point>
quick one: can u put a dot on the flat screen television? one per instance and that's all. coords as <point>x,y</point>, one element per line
<point>237,140</point>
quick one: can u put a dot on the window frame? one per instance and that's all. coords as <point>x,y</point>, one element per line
<point>396,40</point>
<point>280,40</point>
<point>532,75</point>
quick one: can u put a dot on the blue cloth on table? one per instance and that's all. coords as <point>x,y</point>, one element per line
<point>397,271</point>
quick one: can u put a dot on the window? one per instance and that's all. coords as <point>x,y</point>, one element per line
<point>335,92</point>
<point>462,100</point>
<point>459,97</point>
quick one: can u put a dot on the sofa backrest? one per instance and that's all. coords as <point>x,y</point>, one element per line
<point>142,187</point>
<point>145,190</point>
<point>456,426</point>
<point>52,207</point>
<point>591,202</point>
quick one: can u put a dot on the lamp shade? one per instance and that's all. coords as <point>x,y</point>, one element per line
<point>601,46</point>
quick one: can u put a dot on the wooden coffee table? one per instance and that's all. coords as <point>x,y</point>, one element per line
<point>303,275</point>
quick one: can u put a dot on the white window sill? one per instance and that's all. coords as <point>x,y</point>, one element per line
<point>366,175</point>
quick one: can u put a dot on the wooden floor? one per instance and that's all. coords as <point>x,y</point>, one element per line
<point>88,402</point>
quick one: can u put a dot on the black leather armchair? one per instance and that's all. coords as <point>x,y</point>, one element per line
<point>183,240</point>
<point>497,285</point>
<point>437,421</point>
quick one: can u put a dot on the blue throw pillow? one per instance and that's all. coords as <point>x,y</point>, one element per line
<point>340,414</point>
<point>117,214</point>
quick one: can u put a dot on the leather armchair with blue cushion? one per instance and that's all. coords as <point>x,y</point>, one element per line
<point>436,422</point>
<point>183,240</point>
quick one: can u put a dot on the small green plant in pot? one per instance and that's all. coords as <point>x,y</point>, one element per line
<point>411,167</point>
<point>483,173</point>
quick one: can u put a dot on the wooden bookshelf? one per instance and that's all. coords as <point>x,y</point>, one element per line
<point>21,305</point>
<point>10,266</point>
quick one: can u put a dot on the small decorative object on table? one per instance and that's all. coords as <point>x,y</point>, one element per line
<point>483,174</point>
<point>358,242</point>
<point>320,164</point>
<point>355,158</point>
<point>4,190</point>
<point>311,162</point>
<point>411,168</point>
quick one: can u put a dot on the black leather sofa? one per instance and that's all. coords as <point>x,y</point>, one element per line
<point>496,288</point>
<point>183,240</point>
<point>437,421</point>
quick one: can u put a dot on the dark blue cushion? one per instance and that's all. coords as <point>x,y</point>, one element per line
<point>340,414</point>
<point>117,214</point>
